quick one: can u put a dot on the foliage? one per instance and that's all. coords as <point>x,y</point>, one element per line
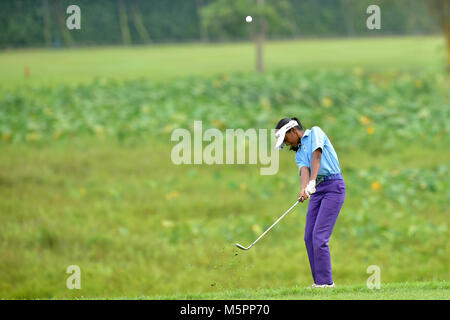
<point>223,19</point>
<point>23,22</point>
<point>374,108</point>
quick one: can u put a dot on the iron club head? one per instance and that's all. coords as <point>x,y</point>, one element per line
<point>292,207</point>
<point>242,247</point>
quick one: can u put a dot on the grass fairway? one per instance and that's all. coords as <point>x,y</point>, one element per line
<point>138,226</point>
<point>391,291</point>
<point>166,62</point>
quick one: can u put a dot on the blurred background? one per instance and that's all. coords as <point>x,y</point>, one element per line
<point>86,115</point>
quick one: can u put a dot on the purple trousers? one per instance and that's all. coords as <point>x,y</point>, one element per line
<point>323,210</point>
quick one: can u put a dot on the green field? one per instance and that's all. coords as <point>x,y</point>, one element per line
<point>86,176</point>
<point>166,62</point>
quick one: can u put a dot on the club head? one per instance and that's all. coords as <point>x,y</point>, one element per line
<point>242,247</point>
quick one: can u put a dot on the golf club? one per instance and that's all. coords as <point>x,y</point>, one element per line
<point>318,181</point>
<point>244,248</point>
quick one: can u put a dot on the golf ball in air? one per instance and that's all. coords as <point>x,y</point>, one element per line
<point>249,19</point>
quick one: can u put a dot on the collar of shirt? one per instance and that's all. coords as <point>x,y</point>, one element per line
<point>307,131</point>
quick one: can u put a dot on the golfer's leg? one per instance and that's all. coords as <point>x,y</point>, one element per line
<point>311,216</point>
<point>330,207</point>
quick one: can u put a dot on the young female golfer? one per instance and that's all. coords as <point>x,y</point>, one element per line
<point>316,158</point>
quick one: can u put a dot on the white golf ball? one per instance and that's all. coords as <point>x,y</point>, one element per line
<point>249,19</point>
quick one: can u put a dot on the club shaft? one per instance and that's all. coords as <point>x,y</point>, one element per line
<point>296,202</point>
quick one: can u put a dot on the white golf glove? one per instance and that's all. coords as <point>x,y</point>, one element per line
<point>311,187</point>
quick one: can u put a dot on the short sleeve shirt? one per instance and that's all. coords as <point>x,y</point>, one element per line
<point>311,141</point>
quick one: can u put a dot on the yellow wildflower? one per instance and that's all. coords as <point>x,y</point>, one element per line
<point>365,120</point>
<point>219,124</point>
<point>376,186</point>
<point>172,195</point>
<point>145,109</point>
<point>418,83</point>
<point>99,129</point>
<point>168,128</point>
<point>327,102</point>
<point>256,229</point>
<point>265,103</point>
<point>370,130</point>
<point>6,136</point>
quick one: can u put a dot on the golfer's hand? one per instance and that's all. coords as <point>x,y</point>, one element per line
<point>303,195</point>
<point>311,187</point>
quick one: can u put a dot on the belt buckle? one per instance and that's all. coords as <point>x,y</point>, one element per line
<point>320,179</point>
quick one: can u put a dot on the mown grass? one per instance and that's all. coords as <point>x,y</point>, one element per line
<point>139,226</point>
<point>168,62</point>
<point>388,291</point>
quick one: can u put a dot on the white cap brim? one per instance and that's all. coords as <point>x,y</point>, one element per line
<point>282,132</point>
<point>280,142</point>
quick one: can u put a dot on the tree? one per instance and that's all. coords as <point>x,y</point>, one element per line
<point>260,36</point>
<point>347,13</point>
<point>60,17</point>
<point>225,20</point>
<point>441,9</point>
<point>138,22</point>
<point>47,23</point>
<point>123,19</point>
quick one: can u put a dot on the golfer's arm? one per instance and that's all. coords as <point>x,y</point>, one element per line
<point>315,163</point>
<point>304,171</point>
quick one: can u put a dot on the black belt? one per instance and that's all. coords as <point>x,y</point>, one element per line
<point>337,176</point>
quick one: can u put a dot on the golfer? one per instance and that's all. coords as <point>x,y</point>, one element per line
<point>317,160</point>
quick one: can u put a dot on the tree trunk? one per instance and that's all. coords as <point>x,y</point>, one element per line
<point>260,53</point>
<point>347,13</point>
<point>441,10</point>
<point>138,23</point>
<point>47,23</point>
<point>446,26</point>
<point>64,32</point>
<point>123,20</point>
<point>202,28</point>
<point>260,37</point>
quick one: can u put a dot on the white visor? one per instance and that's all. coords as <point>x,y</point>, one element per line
<point>280,133</point>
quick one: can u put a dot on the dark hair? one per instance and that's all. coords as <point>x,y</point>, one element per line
<point>283,121</point>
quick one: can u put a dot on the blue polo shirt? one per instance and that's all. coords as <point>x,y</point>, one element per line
<point>312,140</point>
